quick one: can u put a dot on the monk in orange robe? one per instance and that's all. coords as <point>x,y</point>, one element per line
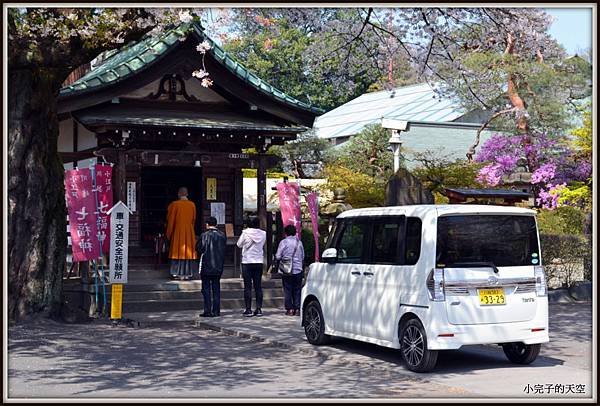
<point>181,217</point>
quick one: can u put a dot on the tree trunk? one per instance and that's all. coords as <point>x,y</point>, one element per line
<point>36,210</point>
<point>519,105</point>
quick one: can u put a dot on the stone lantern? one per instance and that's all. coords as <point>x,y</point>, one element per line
<point>337,206</point>
<point>520,180</point>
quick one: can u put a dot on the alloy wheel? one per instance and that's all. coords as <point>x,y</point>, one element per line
<point>313,323</point>
<point>413,346</point>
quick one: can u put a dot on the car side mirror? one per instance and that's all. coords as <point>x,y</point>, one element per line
<point>329,256</point>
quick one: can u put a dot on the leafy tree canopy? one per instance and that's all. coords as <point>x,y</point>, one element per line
<point>306,53</point>
<point>583,134</point>
<point>305,156</point>
<point>361,191</point>
<point>362,166</point>
<point>369,152</point>
<point>438,172</point>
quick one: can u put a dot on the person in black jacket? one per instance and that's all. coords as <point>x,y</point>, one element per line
<point>211,246</point>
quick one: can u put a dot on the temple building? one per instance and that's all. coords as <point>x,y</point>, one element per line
<point>141,109</point>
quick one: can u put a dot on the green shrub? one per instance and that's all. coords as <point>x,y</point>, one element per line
<point>562,220</point>
<point>252,173</point>
<point>567,258</point>
<point>308,242</point>
<point>361,190</point>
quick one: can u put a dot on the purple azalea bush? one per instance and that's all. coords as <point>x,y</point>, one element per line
<point>553,165</point>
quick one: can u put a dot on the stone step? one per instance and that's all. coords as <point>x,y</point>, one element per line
<point>142,266</point>
<point>136,274</point>
<point>153,267</point>
<point>185,304</point>
<point>142,256</point>
<point>164,295</point>
<point>192,295</point>
<point>147,274</point>
<point>152,285</point>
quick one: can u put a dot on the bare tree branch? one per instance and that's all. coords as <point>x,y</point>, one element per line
<point>427,57</point>
<point>471,150</point>
<point>351,41</point>
<point>400,41</point>
<point>500,26</point>
<point>449,55</point>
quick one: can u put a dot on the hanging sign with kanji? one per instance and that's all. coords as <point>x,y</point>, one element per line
<point>211,188</point>
<point>105,202</point>
<point>81,206</point>
<point>119,242</point>
<point>131,196</point>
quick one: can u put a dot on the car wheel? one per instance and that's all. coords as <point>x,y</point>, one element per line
<point>520,353</point>
<point>413,346</point>
<point>314,324</point>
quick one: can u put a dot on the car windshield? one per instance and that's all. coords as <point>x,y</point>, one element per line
<point>487,240</point>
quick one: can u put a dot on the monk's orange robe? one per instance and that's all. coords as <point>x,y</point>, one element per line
<point>181,216</point>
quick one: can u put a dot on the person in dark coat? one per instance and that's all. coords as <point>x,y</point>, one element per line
<point>211,246</point>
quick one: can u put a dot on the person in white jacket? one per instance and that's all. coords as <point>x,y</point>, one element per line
<point>252,241</point>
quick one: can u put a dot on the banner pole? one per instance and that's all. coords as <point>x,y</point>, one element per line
<point>299,231</point>
<point>100,275</point>
<point>95,283</point>
<point>104,301</point>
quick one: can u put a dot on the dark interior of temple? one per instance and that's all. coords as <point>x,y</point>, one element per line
<point>159,188</point>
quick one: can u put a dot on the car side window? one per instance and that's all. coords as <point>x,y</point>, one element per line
<point>351,242</point>
<point>385,241</point>
<point>412,241</point>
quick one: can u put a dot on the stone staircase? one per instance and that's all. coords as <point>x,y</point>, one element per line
<point>150,289</point>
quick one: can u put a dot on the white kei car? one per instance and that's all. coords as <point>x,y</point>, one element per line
<point>425,278</point>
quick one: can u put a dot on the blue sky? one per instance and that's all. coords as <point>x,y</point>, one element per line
<point>572,28</point>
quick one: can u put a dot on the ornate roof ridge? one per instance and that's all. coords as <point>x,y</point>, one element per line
<point>136,56</point>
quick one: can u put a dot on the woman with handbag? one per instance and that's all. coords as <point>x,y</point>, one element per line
<point>290,258</point>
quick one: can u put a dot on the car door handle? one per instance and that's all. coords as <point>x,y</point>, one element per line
<point>368,273</point>
<point>355,273</point>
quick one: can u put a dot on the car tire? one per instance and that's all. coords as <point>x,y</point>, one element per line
<point>314,324</point>
<point>413,347</point>
<point>520,353</point>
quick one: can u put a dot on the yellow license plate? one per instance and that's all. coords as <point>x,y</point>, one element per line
<point>491,297</point>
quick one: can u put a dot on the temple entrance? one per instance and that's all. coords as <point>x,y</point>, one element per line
<point>159,186</point>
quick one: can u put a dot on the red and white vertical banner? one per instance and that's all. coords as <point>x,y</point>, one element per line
<point>81,206</point>
<point>313,208</point>
<point>289,204</point>
<point>105,202</point>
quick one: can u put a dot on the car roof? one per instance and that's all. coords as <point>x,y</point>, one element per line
<point>421,210</point>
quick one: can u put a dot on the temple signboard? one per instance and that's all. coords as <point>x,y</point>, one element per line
<point>119,242</point>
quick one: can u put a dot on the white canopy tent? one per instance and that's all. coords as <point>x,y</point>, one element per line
<point>250,192</point>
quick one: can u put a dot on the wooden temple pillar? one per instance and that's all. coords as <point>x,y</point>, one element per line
<point>262,192</point>
<point>238,198</point>
<point>262,206</point>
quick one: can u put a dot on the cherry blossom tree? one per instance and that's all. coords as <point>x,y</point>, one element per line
<point>499,60</point>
